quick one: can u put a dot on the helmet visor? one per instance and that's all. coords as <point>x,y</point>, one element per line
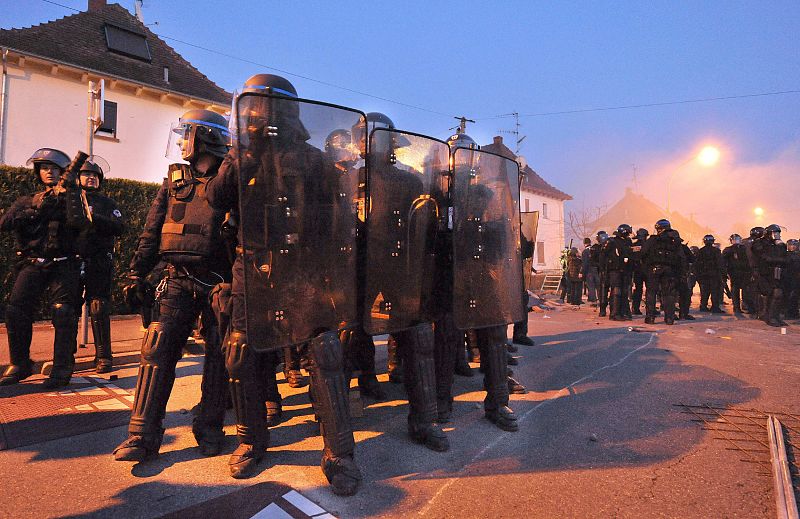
<point>181,142</point>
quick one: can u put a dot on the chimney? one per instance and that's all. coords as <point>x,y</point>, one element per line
<point>96,5</point>
<point>498,139</point>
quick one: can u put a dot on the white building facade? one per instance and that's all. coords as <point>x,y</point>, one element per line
<point>45,98</point>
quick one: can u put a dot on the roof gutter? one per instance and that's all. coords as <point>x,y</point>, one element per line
<point>3,89</point>
<point>120,78</point>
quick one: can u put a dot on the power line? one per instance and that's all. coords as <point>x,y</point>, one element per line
<point>282,71</point>
<point>646,105</point>
<point>423,109</point>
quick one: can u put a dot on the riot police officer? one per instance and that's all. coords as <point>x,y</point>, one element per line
<point>770,256</point>
<point>96,245</point>
<point>751,295</point>
<point>637,271</point>
<point>184,230</point>
<point>738,270</point>
<point>402,221</point>
<point>792,286</point>
<point>275,150</point>
<point>708,268</point>
<point>686,281</point>
<point>663,259</point>
<point>595,264</point>
<point>615,259</point>
<point>45,227</point>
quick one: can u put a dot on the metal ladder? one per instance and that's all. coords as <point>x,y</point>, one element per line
<point>552,282</point>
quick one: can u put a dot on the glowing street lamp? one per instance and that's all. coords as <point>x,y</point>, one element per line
<point>758,211</point>
<point>707,157</point>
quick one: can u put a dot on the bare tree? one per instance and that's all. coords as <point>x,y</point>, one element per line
<point>581,222</point>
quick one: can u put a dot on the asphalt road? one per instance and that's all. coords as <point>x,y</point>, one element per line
<point>600,436</point>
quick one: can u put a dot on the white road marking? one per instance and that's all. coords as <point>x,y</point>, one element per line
<point>272,511</point>
<point>563,392</point>
<point>304,504</point>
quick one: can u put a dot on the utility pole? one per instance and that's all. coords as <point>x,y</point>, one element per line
<point>515,131</point>
<point>462,124</point>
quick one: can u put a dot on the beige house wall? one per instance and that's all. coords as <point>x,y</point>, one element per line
<point>46,106</point>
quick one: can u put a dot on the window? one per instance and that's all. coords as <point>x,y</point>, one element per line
<point>544,211</point>
<point>127,43</point>
<point>527,205</point>
<point>540,253</point>
<point>109,126</point>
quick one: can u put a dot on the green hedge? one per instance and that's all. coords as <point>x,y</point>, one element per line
<point>133,198</point>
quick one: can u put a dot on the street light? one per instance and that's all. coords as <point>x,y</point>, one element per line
<point>707,157</point>
<point>758,211</point>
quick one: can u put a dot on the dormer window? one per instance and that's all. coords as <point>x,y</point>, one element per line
<point>128,43</point>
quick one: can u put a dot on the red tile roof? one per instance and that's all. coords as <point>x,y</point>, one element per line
<point>531,181</point>
<point>79,40</point>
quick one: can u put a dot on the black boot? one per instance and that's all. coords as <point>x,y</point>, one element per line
<point>210,418</point>
<point>331,404</point>
<point>13,374</point>
<point>416,347</point>
<point>248,372</point>
<point>101,333</point>
<point>495,380</point>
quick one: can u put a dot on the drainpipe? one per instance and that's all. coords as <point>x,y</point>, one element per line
<point>3,87</point>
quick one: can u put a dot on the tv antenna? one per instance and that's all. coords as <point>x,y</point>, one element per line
<point>515,131</point>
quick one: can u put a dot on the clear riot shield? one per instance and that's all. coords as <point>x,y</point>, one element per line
<point>298,194</point>
<point>405,204</point>
<point>487,266</point>
<point>529,224</point>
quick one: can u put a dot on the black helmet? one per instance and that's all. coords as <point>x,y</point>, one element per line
<point>339,146</point>
<point>773,232</point>
<point>624,230</point>
<point>271,84</point>
<point>263,116</point>
<point>695,249</point>
<point>792,245</point>
<point>734,239</point>
<point>663,225</point>
<point>97,165</point>
<point>602,236</point>
<point>642,233</point>
<point>709,239</point>
<point>199,131</point>
<point>50,155</point>
<point>365,127</point>
<point>756,232</point>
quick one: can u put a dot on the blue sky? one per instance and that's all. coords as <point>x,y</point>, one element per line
<point>483,59</point>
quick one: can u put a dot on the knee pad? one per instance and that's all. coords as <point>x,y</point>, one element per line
<point>156,343</point>
<point>63,315</point>
<point>326,351</point>
<point>99,308</point>
<point>419,338</point>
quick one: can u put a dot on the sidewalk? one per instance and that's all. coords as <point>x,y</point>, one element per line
<point>126,341</point>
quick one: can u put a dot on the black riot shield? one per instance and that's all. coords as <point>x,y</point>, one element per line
<point>405,207</point>
<point>487,266</point>
<point>529,224</point>
<point>298,192</point>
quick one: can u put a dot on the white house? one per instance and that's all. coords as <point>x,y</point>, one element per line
<point>45,77</point>
<point>538,195</point>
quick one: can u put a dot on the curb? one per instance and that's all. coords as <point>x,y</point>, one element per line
<point>44,367</point>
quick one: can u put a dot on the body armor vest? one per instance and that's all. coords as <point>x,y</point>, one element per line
<point>191,225</point>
